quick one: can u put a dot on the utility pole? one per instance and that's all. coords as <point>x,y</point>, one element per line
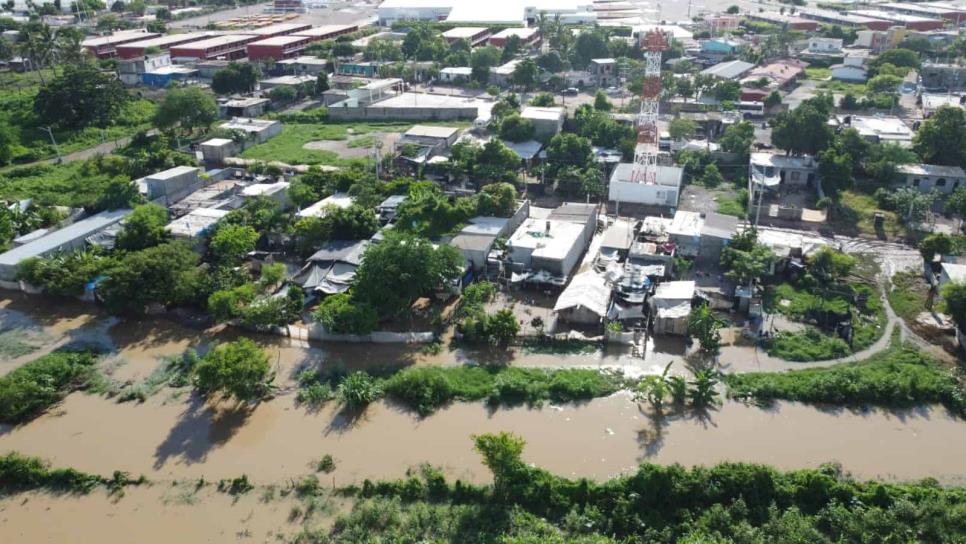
<point>54,142</point>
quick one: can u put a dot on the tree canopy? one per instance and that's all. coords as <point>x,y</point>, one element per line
<point>189,108</point>
<point>941,139</point>
<point>238,369</point>
<point>81,96</point>
<point>804,129</point>
<point>401,268</point>
<point>144,228</point>
<point>166,274</point>
<point>235,78</point>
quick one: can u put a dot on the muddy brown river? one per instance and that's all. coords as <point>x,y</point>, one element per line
<point>174,437</point>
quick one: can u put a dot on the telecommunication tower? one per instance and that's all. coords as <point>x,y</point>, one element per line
<point>646,151</point>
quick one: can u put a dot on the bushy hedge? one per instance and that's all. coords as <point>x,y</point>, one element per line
<point>35,386</point>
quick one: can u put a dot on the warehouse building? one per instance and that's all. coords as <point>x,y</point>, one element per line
<point>70,237</point>
<point>105,47</point>
<point>278,47</point>
<point>164,43</point>
<point>502,12</point>
<point>779,19</point>
<point>228,47</point>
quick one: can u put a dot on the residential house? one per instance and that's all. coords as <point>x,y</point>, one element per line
<point>719,47</point>
<point>930,177</point>
<point>322,207</point>
<point>852,69</point>
<point>778,170</point>
<point>604,71</point>
<point>664,190</point>
<point>716,233</point>
<point>685,233</point>
<point>824,46</point>
<point>243,107</point>
<point>585,300</point>
<point>547,121</point>
<point>670,306</point>
<point>731,70</point>
<point>332,268</point>
<point>947,77</point>
<point>877,129</point>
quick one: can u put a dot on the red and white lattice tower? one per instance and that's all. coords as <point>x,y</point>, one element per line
<point>645,154</point>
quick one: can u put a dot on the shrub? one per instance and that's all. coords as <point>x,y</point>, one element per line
<point>357,390</point>
<point>341,314</point>
<point>238,369</point>
<point>35,386</point>
<point>326,464</point>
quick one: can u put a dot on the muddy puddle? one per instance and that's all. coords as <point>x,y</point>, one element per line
<point>599,439</point>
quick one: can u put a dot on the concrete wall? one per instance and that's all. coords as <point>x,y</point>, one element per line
<point>403,114</point>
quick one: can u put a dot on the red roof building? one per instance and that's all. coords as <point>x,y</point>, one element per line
<point>278,47</point>
<point>137,49</point>
<point>105,47</point>
<point>228,47</point>
<point>327,32</point>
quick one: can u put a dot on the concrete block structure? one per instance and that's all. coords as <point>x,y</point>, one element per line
<point>529,37</point>
<point>172,184</point>
<point>547,121</point>
<point>665,192</point>
<point>326,32</point>
<point>257,130</point>
<point>930,177</point>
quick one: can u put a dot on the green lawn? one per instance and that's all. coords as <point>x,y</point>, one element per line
<point>736,205</point>
<point>288,147</point>
<point>857,89</point>
<point>855,214</point>
<point>818,74</point>
<point>908,294</point>
<point>812,344</point>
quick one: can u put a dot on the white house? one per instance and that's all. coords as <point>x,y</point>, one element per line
<point>664,192</point>
<point>931,177</point>
<point>852,69</point>
<point>824,46</point>
<point>453,74</point>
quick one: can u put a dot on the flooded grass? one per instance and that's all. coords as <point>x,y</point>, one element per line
<point>426,389</point>
<point>39,384</point>
<point>21,341</point>
<point>21,473</point>
<point>899,377</point>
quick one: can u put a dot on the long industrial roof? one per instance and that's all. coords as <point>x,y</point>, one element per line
<point>60,237</point>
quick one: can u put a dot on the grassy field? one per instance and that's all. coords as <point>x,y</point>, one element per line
<point>288,147</point>
<point>908,294</point>
<point>734,204</point>
<point>69,184</point>
<point>800,303</point>
<point>855,214</point>
<point>818,74</point>
<point>17,92</point>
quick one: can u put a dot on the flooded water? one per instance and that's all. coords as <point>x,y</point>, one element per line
<point>174,437</point>
<point>278,440</point>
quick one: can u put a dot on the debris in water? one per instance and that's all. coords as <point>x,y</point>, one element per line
<point>608,430</point>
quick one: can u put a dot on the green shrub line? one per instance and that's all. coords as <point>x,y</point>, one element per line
<point>899,377</point>
<point>22,473</point>
<point>32,388</point>
<point>426,389</point>
<point>729,502</point>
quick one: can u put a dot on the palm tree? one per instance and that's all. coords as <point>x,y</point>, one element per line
<point>37,46</point>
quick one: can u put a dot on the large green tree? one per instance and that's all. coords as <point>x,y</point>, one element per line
<point>401,268</point>
<point>79,97</point>
<point>189,109</point>
<point>235,78</point>
<point>804,129</point>
<point>941,139</point>
<point>144,228</point>
<point>238,369</point>
<point>166,274</point>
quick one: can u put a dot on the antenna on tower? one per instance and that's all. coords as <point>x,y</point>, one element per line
<point>644,169</point>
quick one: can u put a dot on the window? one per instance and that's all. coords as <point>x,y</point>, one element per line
<point>941,182</point>
<point>915,182</point>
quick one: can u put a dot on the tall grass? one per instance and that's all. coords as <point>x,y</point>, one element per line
<point>21,473</point>
<point>898,377</point>
<point>35,386</point>
<point>426,389</point>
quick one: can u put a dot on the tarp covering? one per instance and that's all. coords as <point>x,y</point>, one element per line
<point>587,290</point>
